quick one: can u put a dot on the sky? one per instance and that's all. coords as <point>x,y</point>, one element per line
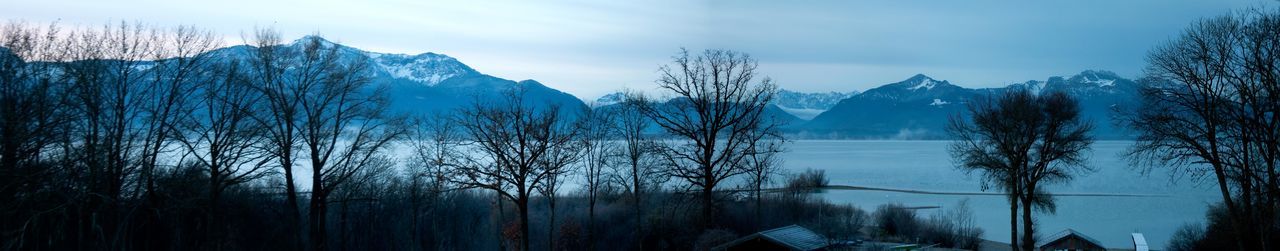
<point>591,48</point>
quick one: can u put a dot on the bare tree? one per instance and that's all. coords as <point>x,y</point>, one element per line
<point>222,137</point>
<point>320,105</point>
<point>598,154</point>
<point>514,141</point>
<point>561,159</point>
<point>637,151</point>
<point>435,148</point>
<point>996,147</point>
<point>344,125</point>
<point>1020,141</point>
<point>179,60</point>
<point>106,72</point>
<point>269,60</point>
<point>1062,139</point>
<point>32,120</point>
<point>1208,110</point>
<point>762,166</point>
<point>715,117</point>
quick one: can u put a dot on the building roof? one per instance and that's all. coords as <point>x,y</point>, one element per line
<point>1140,242</point>
<point>1065,234</point>
<point>793,236</point>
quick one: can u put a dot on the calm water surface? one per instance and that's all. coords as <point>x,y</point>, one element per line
<point>925,165</point>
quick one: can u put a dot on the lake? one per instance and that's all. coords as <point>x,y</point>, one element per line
<point>926,165</point>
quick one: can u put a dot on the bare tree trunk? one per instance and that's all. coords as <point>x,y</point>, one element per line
<point>1028,228</point>
<point>551,223</point>
<point>523,205</point>
<point>316,218</point>
<point>708,206</point>
<point>1013,224</point>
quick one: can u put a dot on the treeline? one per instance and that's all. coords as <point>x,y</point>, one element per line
<point>132,137</point>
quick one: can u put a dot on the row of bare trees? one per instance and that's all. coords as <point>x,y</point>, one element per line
<point>137,137</point>
<point>94,119</point>
<point>1210,110</point>
<point>518,150</point>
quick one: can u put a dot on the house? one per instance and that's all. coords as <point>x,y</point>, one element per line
<point>1070,240</point>
<point>791,237</point>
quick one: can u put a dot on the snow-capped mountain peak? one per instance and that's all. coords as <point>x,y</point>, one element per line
<point>324,43</point>
<point>612,98</point>
<point>920,81</point>
<point>1096,78</point>
<point>427,68</point>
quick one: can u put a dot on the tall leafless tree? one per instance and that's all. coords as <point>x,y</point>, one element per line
<point>715,117</point>
<point>282,92</point>
<point>599,153</point>
<point>106,71</point>
<point>762,165</point>
<point>1019,142</point>
<point>344,124</point>
<point>513,140</point>
<point>638,170</point>
<point>32,120</point>
<point>1062,140</point>
<point>1208,110</point>
<point>435,149</point>
<point>179,60</point>
<point>222,137</point>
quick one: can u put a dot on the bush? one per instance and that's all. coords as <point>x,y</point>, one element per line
<point>952,228</point>
<point>1186,238</point>
<point>896,220</point>
<point>809,179</point>
<point>1215,234</point>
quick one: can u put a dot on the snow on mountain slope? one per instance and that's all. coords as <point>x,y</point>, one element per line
<point>431,82</point>
<point>427,68</point>
<point>808,105</point>
<point>923,105</point>
<point>610,99</point>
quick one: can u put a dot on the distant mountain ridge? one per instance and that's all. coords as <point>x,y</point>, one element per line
<point>430,82</point>
<point>808,105</point>
<point>919,107</point>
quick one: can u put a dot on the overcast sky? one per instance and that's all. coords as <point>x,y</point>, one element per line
<point>589,48</point>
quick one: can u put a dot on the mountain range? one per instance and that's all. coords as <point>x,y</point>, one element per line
<point>919,107</point>
<point>916,108</point>
<point>430,82</point>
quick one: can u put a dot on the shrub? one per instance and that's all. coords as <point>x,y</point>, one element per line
<point>950,228</point>
<point>1186,238</point>
<point>953,228</point>
<point>896,220</point>
<point>809,179</point>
